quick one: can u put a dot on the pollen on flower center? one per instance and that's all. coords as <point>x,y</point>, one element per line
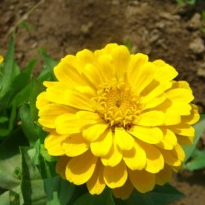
<point>116,104</point>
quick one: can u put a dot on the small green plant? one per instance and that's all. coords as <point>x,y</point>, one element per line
<point>186,2</point>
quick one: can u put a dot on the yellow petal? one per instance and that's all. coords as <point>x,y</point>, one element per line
<point>53,143</point>
<point>93,132</point>
<point>173,157</point>
<point>183,129</point>
<point>41,100</point>
<point>67,72</point>
<point>75,145</point>
<point>143,77</point>
<point>164,176</point>
<point>106,68</point>
<point>151,118</point>
<point>115,176</point>
<point>77,100</point>
<point>151,135</point>
<point>180,95</point>
<point>169,140</point>
<point>193,117</point>
<point>136,61</point>
<point>135,158</point>
<point>68,123</point>
<point>123,192</point>
<point>123,139</point>
<point>80,169</point>
<point>154,89</point>
<point>61,165</point>
<point>113,157</point>
<point>50,112</point>
<point>165,72</point>
<point>155,161</point>
<point>102,146</point>
<point>184,140</point>
<point>172,117</point>
<point>120,60</point>
<point>142,180</point>
<point>153,103</point>
<point>96,183</point>
<point>92,74</point>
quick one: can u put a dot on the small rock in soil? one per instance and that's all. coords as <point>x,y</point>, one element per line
<point>201,71</point>
<point>197,46</point>
<point>195,22</point>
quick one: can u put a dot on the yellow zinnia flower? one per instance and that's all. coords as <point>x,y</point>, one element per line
<point>116,119</point>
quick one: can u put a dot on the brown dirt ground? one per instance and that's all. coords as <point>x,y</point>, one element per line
<point>161,29</point>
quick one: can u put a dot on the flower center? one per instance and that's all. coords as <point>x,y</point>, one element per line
<point>116,104</point>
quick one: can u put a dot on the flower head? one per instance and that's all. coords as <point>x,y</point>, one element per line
<point>116,119</point>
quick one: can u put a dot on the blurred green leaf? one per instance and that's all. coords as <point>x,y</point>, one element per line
<point>47,72</point>
<point>36,88</point>
<point>32,184</point>
<point>12,197</point>
<point>199,128</point>
<point>197,161</point>
<point>22,96</point>
<point>28,125</point>
<point>59,191</point>
<point>103,199</point>
<point>9,71</point>
<point>18,83</point>
<point>161,195</point>
<point>10,160</point>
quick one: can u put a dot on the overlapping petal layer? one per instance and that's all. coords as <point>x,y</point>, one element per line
<point>116,119</point>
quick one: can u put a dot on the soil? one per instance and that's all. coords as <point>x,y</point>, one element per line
<point>161,29</point>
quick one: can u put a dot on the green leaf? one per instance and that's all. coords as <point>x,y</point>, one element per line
<point>10,160</point>
<point>22,80</point>
<point>161,195</point>
<point>12,197</point>
<point>47,72</point>
<point>59,191</point>
<point>197,161</point>
<point>103,199</point>
<point>32,184</point>
<point>9,71</point>
<point>28,126</point>
<point>22,96</point>
<point>199,128</point>
<point>6,128</point>
<point>18,83</point>
<point>36,88</point>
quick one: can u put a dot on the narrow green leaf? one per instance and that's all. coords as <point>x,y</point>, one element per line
<point>22,96</point>
<point>28,126</point>
<point>47,72</point>
<point>199,128</point>
<point>32,184</point>
<point>18,83</point>
<point>161,195</point>
<point>36,88</point>
<point>9,71</point>
<point>103,199</point>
